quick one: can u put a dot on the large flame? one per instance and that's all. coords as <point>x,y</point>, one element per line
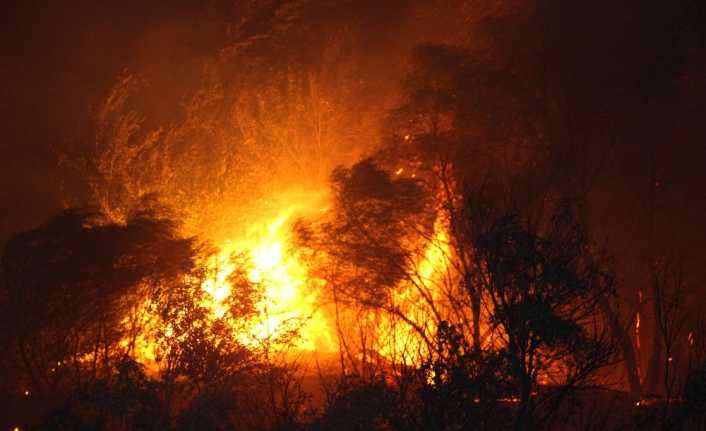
<point>292,300</point>
<point>289,298</point>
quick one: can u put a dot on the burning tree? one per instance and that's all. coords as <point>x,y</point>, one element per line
<point>70,284</point>
<point>102,312</point>
<point>366,251</point>
<point>539,281</point>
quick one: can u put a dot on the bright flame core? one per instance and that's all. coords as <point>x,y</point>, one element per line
<point>289,299</point>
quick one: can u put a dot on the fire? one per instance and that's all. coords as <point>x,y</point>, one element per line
<point>414,296</point>
<point>292,299</point>
<point>436,254</point>
<point>289,298</point>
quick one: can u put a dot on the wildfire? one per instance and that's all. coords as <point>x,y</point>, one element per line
<point>413,299</point>
<point>289,299</point>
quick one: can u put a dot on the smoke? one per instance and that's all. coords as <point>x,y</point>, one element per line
<point>229,110</point>
<point>62,61</point>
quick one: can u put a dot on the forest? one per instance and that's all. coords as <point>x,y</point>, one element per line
<point>353,215</point>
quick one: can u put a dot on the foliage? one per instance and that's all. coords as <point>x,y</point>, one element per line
<point>93,303</point>
<point>374,213</point>
<point>545,289</point>
<point>461,388</point>
<point>128,399</point>
<point>69,284</point>
<point>360,404</point>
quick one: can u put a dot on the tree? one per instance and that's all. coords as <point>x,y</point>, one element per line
<point>69,284</point>
<point>366,253</point>
<point>91,303</point>
<point>462,387</point>
<point>669,296</point>
<point>200,355</point>
<point>468,121</point>
<point>545,288</point>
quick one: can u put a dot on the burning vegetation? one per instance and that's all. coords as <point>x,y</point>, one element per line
<point>366,217</point>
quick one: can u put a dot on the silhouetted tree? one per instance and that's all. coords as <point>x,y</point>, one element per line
<point>361,404</point>
<point>69,284</point>
<point>127,399</point>
<point>87,298</point>
<point>462,387</point>
<point>365,249</point>
<point>545,288</point>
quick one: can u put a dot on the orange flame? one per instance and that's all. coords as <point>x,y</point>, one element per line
<point>288,297</point>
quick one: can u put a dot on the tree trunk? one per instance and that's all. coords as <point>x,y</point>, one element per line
<point>523,421</point>
<point>628,350</point>
<point>654,369</point>
<point>475,310</point>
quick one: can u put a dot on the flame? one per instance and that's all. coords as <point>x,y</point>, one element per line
<point>292,300</point>
<point>289,299</point>
<point>405,343</point>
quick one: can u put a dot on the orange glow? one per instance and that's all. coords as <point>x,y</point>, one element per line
<point>413,298</point>
<point>289,299</point>
<point>292,300</point>
<point>637,330</point>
